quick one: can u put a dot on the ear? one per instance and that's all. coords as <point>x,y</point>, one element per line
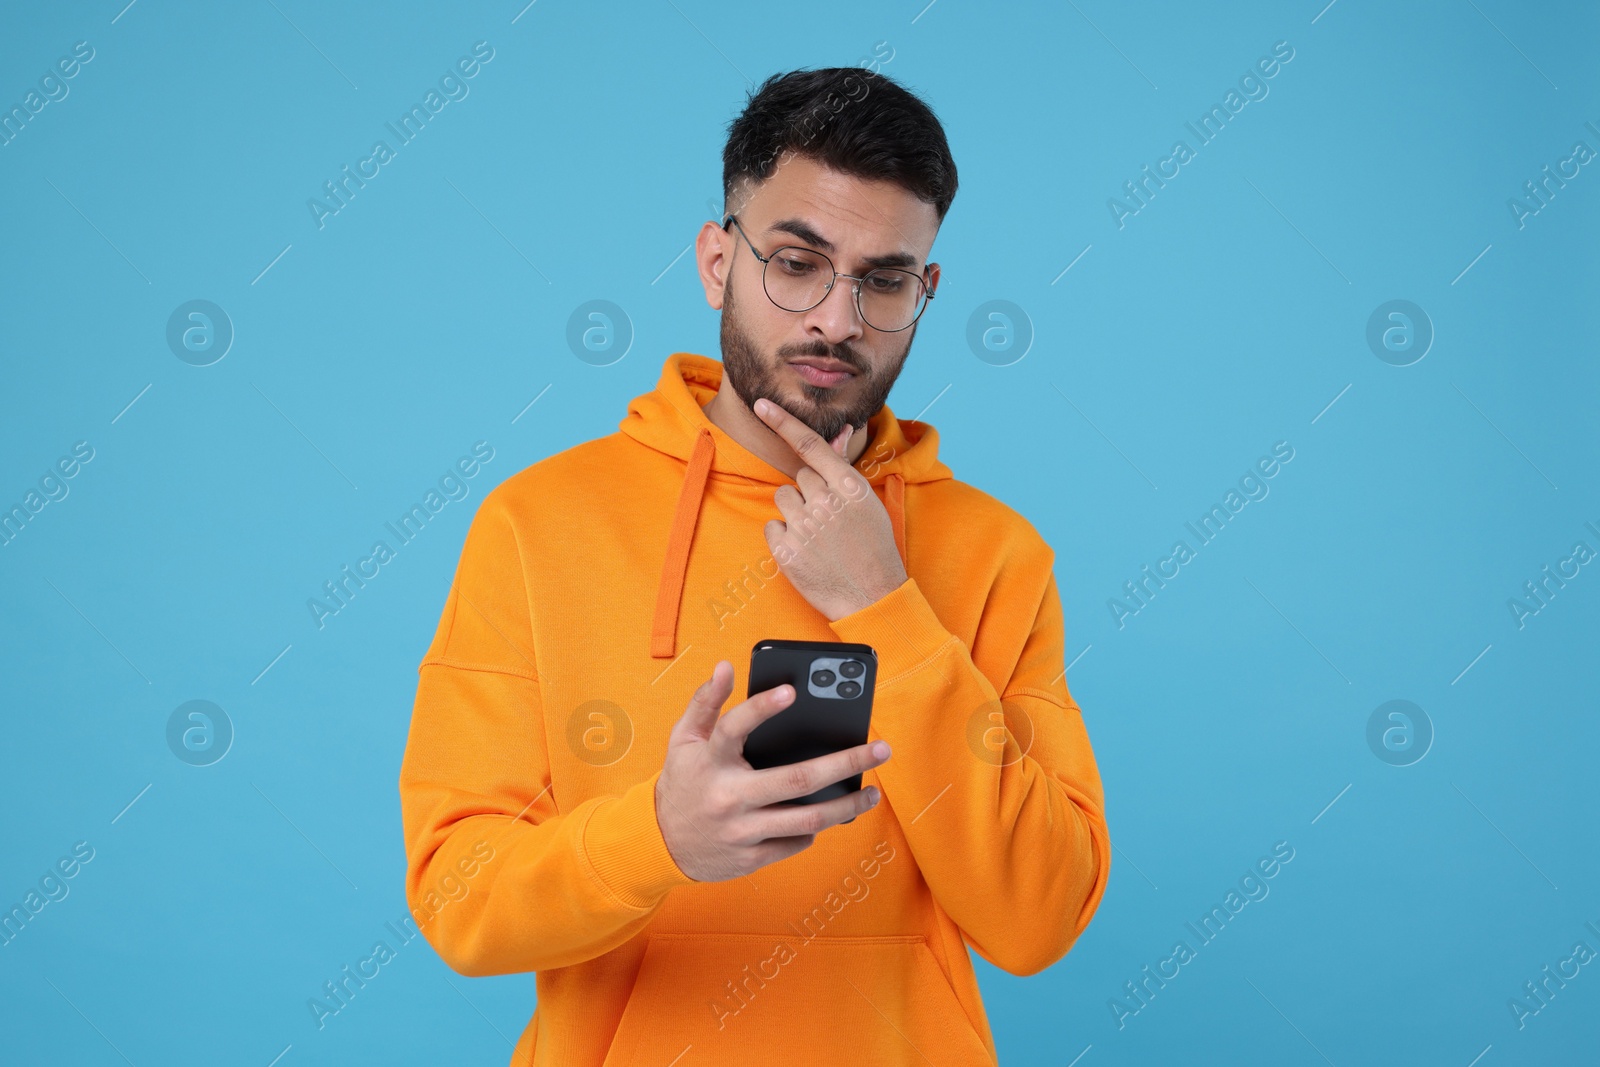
<point>933,276</point>
<point>713,254</point>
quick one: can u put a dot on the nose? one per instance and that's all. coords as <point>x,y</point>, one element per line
<point>837,319</point>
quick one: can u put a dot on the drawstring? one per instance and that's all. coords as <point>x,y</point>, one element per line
<point>669,597</point>
<point>664,631</point>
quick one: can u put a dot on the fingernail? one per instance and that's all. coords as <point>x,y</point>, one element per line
<point>872,795</point>
<point>880,749</point>
<point>761,406</point>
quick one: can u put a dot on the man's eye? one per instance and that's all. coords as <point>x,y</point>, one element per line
<point>795,266</point>
<point>882,284</point>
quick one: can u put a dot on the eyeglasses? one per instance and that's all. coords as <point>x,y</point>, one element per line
<point>798,279</point>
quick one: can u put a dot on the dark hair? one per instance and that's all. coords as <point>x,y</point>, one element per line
<point>851,119</point>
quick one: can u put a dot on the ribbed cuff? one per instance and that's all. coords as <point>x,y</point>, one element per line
<point>626,851</point>
<point>901,627</point>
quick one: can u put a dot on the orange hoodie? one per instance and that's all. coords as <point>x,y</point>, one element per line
<point>595,591</point>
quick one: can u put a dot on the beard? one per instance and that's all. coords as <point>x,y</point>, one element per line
<point>825,409</point>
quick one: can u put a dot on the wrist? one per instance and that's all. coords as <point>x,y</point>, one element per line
<point>870,597</point>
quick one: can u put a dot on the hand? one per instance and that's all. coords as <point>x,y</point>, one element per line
<point>837,546</point>
<point>719,816</point>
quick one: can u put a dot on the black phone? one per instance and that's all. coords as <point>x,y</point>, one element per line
<point>833,684</point>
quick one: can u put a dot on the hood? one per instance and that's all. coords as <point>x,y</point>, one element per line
<point>670,420</point>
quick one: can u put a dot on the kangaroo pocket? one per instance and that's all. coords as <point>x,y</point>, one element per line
<point>781,999</point>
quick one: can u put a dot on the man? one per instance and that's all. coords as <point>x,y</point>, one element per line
<point>570,770</point>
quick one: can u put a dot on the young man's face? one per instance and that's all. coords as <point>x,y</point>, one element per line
<point>850,220</point>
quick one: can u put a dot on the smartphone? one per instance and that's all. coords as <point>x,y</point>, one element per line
<point>832,707</point>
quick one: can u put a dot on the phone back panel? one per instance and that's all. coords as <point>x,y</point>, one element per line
<point>819,720</point>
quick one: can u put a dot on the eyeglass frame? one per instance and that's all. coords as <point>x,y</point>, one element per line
<point>856,289</point>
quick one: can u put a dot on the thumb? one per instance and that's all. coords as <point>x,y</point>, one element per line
<point>705,706</point>
<point>773,531</point>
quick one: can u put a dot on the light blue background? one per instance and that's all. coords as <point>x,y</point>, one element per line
<point>1228,315</point>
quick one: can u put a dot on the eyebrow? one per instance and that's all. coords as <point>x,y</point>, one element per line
<point>807,233</point>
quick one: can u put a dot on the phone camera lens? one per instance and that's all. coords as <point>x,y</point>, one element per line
<point>851,668</point>
<point>849,689</point>
<point>822,679</point>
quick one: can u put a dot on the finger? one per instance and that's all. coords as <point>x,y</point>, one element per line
<point>785,820</point>
<point>774,784</point>
<point>789,499</point>
<point>805,441</point>
<point>781,848</point>
<point>806,514</point>
<point>705,706</point>
<point>792,506</point>
<point>731,730</point>
<point>773,531</point>
<point>810,484</point>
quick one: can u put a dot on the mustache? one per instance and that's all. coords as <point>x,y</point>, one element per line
<point>843,353</point>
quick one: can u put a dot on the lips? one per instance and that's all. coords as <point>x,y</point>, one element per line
<point>823,363</point>
<point>817,376</point>
<point>819,370</point>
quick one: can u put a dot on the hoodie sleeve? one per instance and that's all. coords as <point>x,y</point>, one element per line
<point>993,781</point>
<point>498,879</point>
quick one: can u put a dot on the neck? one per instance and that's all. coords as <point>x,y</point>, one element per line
<point>733,417</point>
